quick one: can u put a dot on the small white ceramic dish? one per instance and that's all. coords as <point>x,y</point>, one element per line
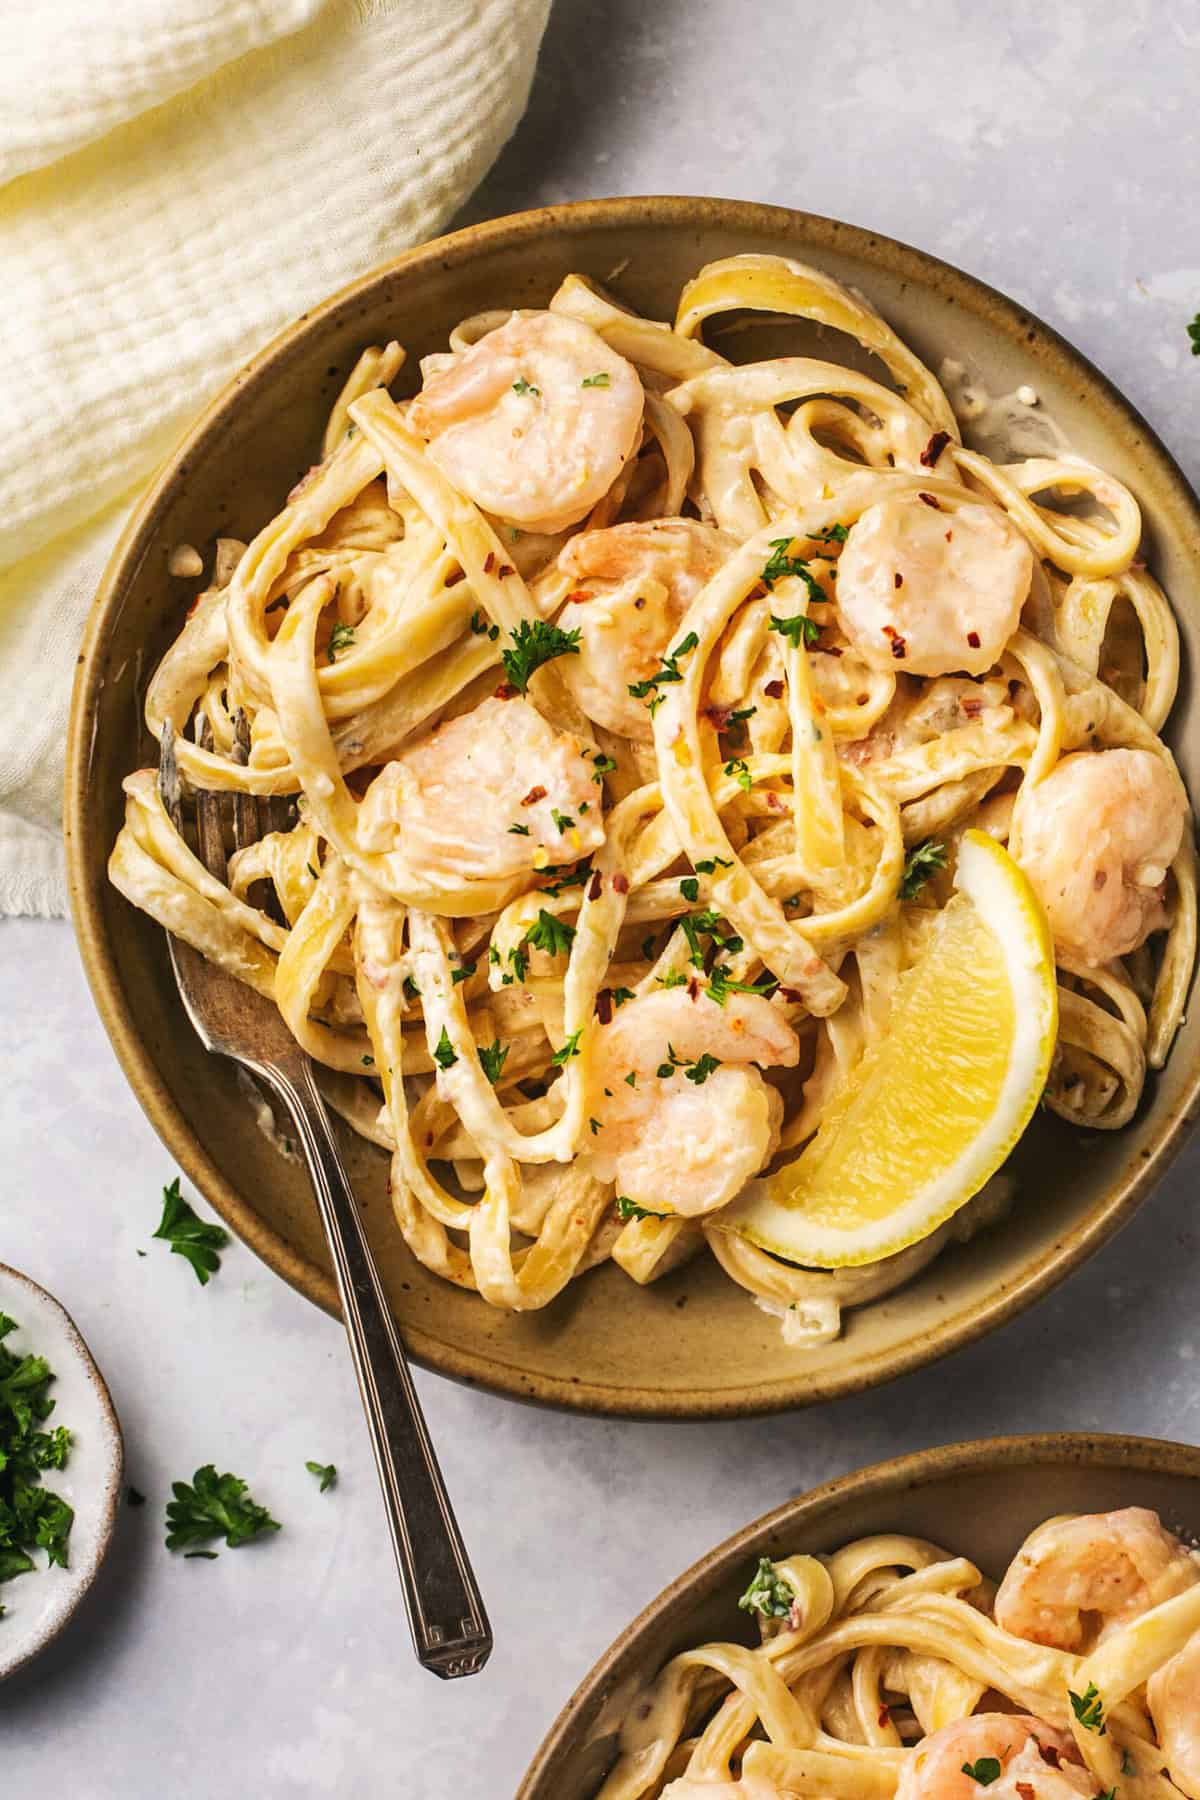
<point>37,1606</point>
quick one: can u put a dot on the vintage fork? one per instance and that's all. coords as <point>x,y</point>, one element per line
<point>450,1628</point>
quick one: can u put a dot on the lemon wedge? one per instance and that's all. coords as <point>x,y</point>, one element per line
<point>935,1106</point>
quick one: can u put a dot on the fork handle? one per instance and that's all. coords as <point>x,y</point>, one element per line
<point>450,1629</point>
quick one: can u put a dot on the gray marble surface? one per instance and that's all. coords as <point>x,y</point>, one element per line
<point>1049,150</point>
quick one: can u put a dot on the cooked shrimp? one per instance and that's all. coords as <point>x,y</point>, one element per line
<point>932,590</point>
<point>491,795</point>
<point>1074,1580</point>
<point>637,581</point>
<point>1173,1695</point>
<point>1034,1759</point>
<point>688,1141</point>
<point>1097,838</point>
<point>535,421</point>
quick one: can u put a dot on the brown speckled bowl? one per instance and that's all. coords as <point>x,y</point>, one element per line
<point>694,1345</point>
<point>978,1500</point>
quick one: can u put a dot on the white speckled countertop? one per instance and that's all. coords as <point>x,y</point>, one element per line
<point>1050,151</point>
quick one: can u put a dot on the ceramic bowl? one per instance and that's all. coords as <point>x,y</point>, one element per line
<point>694,1345</point>
<point>37,1606</point>
<point>978,1500</point>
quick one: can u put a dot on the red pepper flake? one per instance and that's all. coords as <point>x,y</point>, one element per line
<point>885,1714</point>
<point>639,603</point>
<point>758,591</point>
<point>1025,1789</point>
<point>718,716</point>
<point>897,642</point>
<point>898,579</point>
<point>582,594</point>
<point>535,793</point>
<point>792,994</point>
<point>620,883</point>
<point>973,639</point>
<point>1050,1755</point>
<point>774,803</point>
<point>831,650</point>
<point>595,885</point>
<point>774,689</point>
<point>504,571</point>
<point>195,603</point>
<point>971,707</point>
<point>693,988</point>
<point>930,500</point>
<point>505,691</point>
<point>1099,879</point>
<point>453,579</point>
<point>429,1140</point>
<point>949,536</point>
<point>604,1005</point>
<point>489,562</point>
<point>934,448</point>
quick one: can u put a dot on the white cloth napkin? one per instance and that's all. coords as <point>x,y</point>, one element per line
<point>178,179</point>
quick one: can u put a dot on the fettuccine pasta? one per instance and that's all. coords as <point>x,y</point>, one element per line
<point>895,1668</point>
<point>613,713</point>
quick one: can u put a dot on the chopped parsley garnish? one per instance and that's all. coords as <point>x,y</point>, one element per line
<point>1088,1709</point>
<point>563,821</point>
<point>534,643</point>
<point>521,386</point>
<point>600,380</point>
<point>569,1049</point>
<point>710,864</point>
<point>551,934</point>
<point>781,564</point>
<point>411,990</point>
<point>767,1595</point>
<point>492,1058</point>
<point>668,673</point>
<point>595,1125</point>
<point>720,986</point>
<point>1193,332</point>
<point>740,716</point>
<point>689,887</point>
<point>573,878</point>
<point>738,766</point>
<point>481,628</point>
<point>325,1473</point>
<point>672,979</point>
<point>984,1770</point>
<point>631,1078</point>
<point>340,638</point>
<point>445,1055</point>
<point>520,965</point>
<point>602,766</point>
<point>368,1062</point>
<point>620,995</point>
<point>629,1209</point>
<point>700,1071</point>
<point>666,1069</point>
<point>312,872</point>
<point>518,830</point>
<point>798,629</point>
<point>920,864</point>
<point>463,973</point>
<point>189,1236</point>
<point>1128,1766</point>
<point>706,924</point>
<point>829,534</point>
<point>32,1517</point>
<point>648,947</point>
<point>214,1506</point>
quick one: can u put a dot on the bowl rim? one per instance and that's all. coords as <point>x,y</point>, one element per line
<point>897,1475</point>
<point>504,1375</point>
<point>109,1500</point>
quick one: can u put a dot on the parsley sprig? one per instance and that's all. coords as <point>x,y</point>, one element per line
<point>535,642</point>
<point>798,629</point>
<point>189,1236</point>
<point>32,1517</point>
<point>492,1058</point>
<point>1089,1709</point>
<point>669,672</point>
<point>629,1209</point>
<point>326,1473</point>
<point>984,1770</point>
<point>921,863</point>
<point>781,563</point>
<point>340,638</point>
<point>214,1506</point>
<point>768,1595</point>
<point>1193,332</point>
<point>551,934</point>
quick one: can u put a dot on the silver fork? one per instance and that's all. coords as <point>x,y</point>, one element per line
<point>450,1629</point>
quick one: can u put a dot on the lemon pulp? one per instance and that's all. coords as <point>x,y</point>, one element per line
<point>937,1103</point>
